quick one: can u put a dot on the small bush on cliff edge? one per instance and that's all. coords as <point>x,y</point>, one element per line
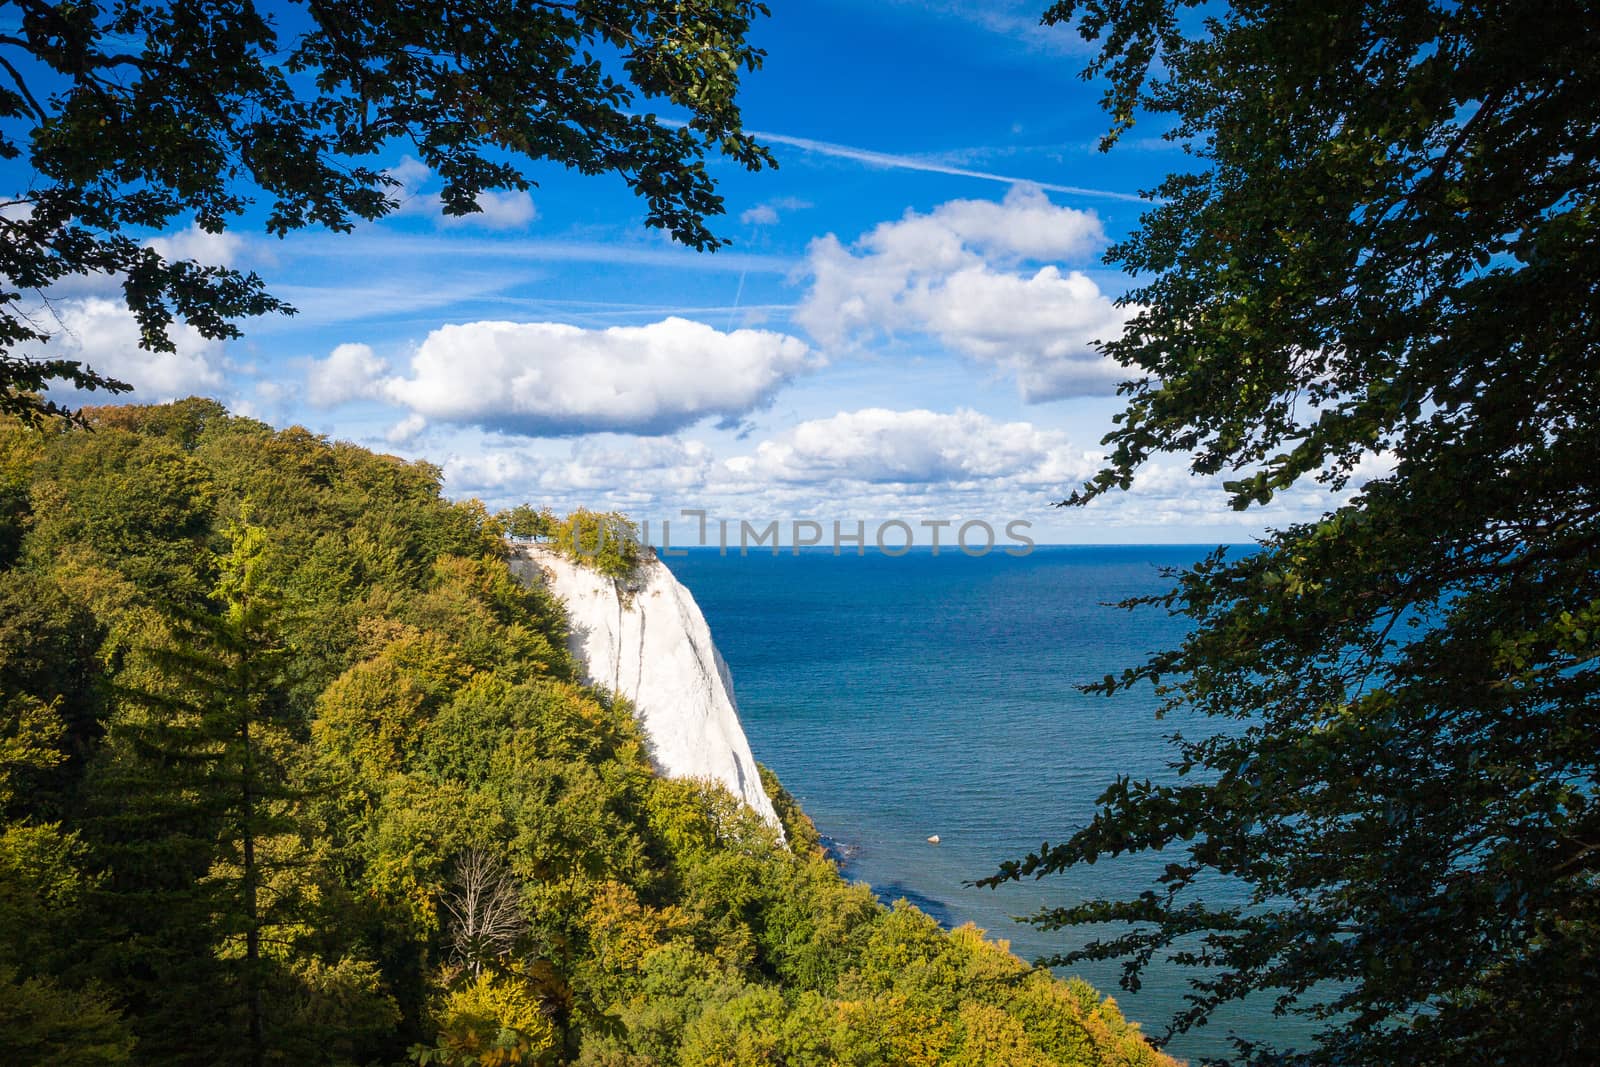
<point>606,541</point>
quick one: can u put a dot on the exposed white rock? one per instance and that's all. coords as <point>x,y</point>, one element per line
<point>650,643</point>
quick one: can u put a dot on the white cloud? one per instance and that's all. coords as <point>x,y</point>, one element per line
<point>224,249</point>
<point>508,209</point>
<point>498,209</point>
<point>405,430</point>
<point>1016,22</point>
<point>1038,326</point>
<point>211,249</point>
<point>104,335</point>
<point>604,471</point>
<point>872,463</point>
<point>877,445</point>
<point>412,174</point>
<point>351,372</point>
<point>362,250</point>
<point>666,463</point>
<point>869,462</point>
<point>768,213</point>
<point>547,378</point>
<point>497,476</point>
<point>957,274</point>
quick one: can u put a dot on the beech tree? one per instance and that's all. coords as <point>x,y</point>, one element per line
<point>133,117</point>
<point>1383,253</point>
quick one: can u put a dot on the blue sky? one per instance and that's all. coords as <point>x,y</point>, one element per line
<point>900,330</point>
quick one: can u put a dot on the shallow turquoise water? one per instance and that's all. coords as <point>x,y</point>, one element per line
<point>918,695</point>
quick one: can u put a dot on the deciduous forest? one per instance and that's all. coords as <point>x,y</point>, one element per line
<point>293,771</point>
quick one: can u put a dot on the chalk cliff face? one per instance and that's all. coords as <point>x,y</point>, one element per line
<point>651,645</point>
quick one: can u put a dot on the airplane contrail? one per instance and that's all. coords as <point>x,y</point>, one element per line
<point>886,159</point>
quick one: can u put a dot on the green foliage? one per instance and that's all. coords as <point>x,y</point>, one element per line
<point>1386,247</point>
<point>42,1023</point>
<point>523,521</point>
<point>323,789</point>
<point>47,673</point>
<point>131,118</point>
<point>604,541</point>
<point>20,448</point>
<point>490,1022</point>
<point>141,504</point>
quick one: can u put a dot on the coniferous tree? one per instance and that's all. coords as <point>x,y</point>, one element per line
<point>195,797</point>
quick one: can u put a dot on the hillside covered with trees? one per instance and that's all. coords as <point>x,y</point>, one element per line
<point>293,771</point>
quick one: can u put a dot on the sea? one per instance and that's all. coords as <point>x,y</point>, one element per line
<point>934,694</point>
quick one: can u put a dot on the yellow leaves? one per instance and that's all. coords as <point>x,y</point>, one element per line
<point>986,961</point>
<point>991,1037</point>
<point>605,541</point>
<point>370,719</point>
<point>494,1019</point>
<point>1291,581</point>
<point>30,732</point>
<point>1571,633</point>
<point>623,932</point>
<point>245,585</point>
<point>1575,631</point>
<point>1069,1022</point>
<point>346,996</point>
<point>900,1031</point>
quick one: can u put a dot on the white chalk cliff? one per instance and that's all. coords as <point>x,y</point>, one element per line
<point>650,643</point>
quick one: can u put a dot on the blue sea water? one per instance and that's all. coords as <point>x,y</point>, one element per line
<point>902,697</point>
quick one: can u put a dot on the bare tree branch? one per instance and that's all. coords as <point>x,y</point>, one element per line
<point>485,906</point>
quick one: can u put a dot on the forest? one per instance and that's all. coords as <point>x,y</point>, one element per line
<point>293,771</point>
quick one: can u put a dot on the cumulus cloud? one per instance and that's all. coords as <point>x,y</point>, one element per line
<point>960,273</point>
<point>405,430</point>
<point>212,249</point>
<point>604,471</point>
<point>412,174</point>
<point>190,243</point>
<point>869,463</point>
<point>104,335</point>
<point>351,372</point>
<point>878,445</point>
<point>667,464</point>
<point>499,209</point>
<point>552,379</point>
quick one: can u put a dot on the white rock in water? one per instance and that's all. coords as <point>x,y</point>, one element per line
<point>657,651</point>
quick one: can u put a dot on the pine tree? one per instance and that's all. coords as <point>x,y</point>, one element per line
<point>197,787</point>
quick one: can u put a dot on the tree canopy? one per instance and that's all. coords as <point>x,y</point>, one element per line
<point>1382,260</point>
<point>133,117</point>
<point>293,770</point>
